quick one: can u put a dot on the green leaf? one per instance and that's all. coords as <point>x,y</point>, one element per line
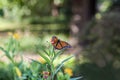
<point>51,51</point>
<point>44,57</point>
<point>77,78</point>
<point>42,49</point>
<point>10,44</point>
<point>56,55</point>
<point>67,77</point>
<point>6,53</point>
<point>62,63</point>
<point>36,61</point>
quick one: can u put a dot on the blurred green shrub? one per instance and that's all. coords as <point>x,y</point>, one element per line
<point>104,35</point>
<point>101,44</point>
<point>5,74</point>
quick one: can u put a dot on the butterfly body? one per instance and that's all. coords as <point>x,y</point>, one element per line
<point>59,44</point>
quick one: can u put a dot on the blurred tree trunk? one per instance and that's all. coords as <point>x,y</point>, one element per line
<point>82,13</point>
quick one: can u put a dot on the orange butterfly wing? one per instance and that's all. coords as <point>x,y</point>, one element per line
<point>58,44</point>
<point>62,44</point>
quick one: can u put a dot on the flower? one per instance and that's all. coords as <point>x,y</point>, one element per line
<point>16,36</point>
<point>46,74</point>
<point>18,72</point>
<point>41,60</point>
<point>68,71</point>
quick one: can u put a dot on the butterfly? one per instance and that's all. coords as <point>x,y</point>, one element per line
<point>58,44</point>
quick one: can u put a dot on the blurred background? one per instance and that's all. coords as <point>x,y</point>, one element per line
<point>92,27</point>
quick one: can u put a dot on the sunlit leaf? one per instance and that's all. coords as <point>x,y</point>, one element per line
<point>44,57</point>
<point>57,54</point>
<point>6,53</point>
<point>77,78</point>
<point>62,63</point>
<point>42,49</point>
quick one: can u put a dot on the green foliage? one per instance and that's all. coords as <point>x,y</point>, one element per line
<point>91,71</point>
<point>35,69</point>
<point>5,74</point>
<point>17,9</point>
<point>105,6</point>
<point>101,45</point>
<point>50,56</point>
<point>103,35</point>
<point>10,52</point>
<point>31,11</point>
<point>47,69</point>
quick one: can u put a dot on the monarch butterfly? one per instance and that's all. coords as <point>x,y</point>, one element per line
<point>58,44</point>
